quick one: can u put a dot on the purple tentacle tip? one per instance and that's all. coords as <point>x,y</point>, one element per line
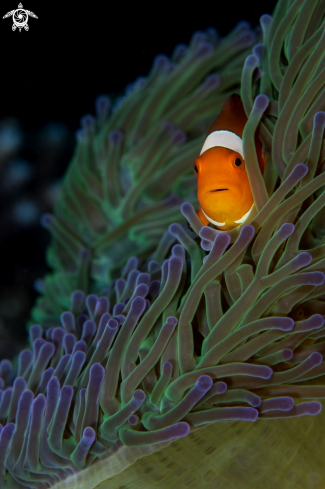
<point>68,321</point>
<point>139,395</point>
<point>203,49</point>
<point>221,387</point>
<point>115,137</point>
<point>300,170</point>
<point>161,61</point>
<point>316,321</point>
<point>317,278</point>
<point>182,429</point>
<point>88,122</point>
<point>319,119</point>
<point>265,20</point>
<point>102,104</point>
<point>211,82</point>
<point>287,354</point>
<point>167,368</point>
<point>46,220</point>
<point>84,255</point>
<point>172,321</point>
<point>313,408</point>
<point>179,137</point>
<point>315,359</point>
<point>113,324</point>
<point>246,233</point>
<point>223,239</point>
<point>285,403</point>
<point>264,372</point>
<point>258,50</point>
<point>204,383</point>
<point>138,304</point>
<point>251,60</point>
<point>175,261</point>
<point>174,228</point>
<point>286,324</point>
<point>206,245</point>
<point>187,208</point>
<point>286,230</point>
<point>88,435</point>
<point>97,373</point>
<point>277,404</point>
<point>133,420</point>
<point>250,414</point>
<point>261,102</point>
<point>303,259</point>
<point>207,233</point>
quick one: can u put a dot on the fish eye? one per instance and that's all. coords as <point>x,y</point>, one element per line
<point>238,162</point>
<point>195,169</point>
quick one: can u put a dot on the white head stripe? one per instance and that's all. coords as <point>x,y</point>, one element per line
<point>226,139</point>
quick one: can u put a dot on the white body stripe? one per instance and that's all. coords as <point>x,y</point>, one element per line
<point>226,139</point>
<point>216,223</point>
<point>242,220</point>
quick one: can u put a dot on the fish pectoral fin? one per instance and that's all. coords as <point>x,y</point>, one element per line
<point>202,217</point>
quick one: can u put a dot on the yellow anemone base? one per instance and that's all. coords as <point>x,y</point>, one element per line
<point>267,454</point>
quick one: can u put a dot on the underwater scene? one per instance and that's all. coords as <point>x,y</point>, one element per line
<point>162,293</point>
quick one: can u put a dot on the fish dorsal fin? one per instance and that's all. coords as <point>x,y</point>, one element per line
<point>232,117</point>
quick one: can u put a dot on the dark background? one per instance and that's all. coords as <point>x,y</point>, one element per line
<point>50,77</point>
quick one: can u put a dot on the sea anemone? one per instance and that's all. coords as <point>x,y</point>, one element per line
<point>211,329</point>
<point>132,166</point>
<point>165,359</point>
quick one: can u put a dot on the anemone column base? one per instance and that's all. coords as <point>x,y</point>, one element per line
<point>286,453</point>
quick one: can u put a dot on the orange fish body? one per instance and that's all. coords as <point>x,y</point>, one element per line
<point>223,191</point>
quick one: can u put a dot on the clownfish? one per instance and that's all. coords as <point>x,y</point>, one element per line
<point>223,189</point>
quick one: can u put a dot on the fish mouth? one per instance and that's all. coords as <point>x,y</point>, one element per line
<point>218,189</point>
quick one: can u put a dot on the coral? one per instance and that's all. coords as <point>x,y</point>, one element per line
<point>211,327</point>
